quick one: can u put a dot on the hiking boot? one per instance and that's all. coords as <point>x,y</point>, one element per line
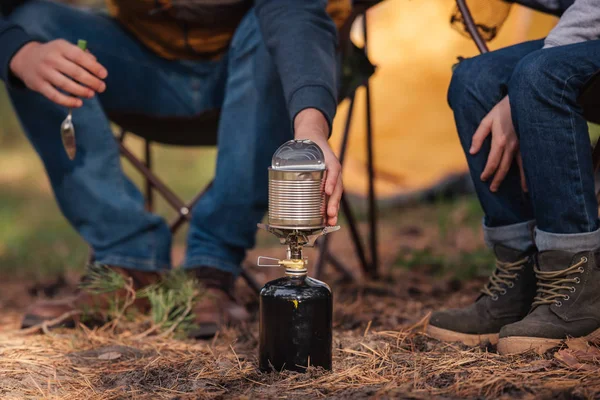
<point>87,305</point>
<point>216,307</point>
<point>505,299</point>
<point>567,304</point>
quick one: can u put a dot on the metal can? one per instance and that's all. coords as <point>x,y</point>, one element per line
<point>296,186</point>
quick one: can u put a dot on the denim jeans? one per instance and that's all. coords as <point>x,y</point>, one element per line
<point>543,86</point>
<point>101,203</point>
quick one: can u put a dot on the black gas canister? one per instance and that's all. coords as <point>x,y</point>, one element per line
<point>295,324</point>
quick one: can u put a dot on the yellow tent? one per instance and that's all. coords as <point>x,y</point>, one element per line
<point>414,47</point>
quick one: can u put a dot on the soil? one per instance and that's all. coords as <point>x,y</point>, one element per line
<point>379,351</point>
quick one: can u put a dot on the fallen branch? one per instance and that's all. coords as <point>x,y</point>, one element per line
<point>45,325</point>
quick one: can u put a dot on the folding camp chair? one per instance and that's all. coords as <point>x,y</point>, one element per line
<point>201,130</point>
<point>589,97</point>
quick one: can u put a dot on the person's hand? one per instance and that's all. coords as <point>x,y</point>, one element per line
<point>311,124</point>
<point>46,68</point>
<point>505,145</point>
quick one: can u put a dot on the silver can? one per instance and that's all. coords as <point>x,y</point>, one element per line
<point>296,186</point>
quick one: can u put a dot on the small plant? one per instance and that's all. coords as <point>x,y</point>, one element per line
<point>101,279</point>
<point>172,301</point>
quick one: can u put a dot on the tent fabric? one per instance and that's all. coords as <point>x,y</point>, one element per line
<point>489,16</point>
<point>412,44</point>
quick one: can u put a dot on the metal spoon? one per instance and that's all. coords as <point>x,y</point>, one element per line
<point>67,130</point>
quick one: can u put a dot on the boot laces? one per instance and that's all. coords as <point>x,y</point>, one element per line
<point>552,283</point>
<point>504,275</point>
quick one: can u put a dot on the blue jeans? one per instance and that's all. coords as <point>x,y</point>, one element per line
<point>101,203</point>
<point>543,86</point>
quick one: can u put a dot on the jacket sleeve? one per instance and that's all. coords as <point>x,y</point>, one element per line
<point>302,40</point>
<point>579,23</point>
<point>12,38</point>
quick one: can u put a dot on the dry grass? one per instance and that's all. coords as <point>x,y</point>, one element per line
<point>370,359</point>
<point>380,351</point>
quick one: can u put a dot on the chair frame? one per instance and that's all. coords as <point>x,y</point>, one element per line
<point>183,209</point>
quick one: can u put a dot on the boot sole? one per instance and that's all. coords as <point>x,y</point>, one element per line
<point>446,335</point>
<point>521,344</point>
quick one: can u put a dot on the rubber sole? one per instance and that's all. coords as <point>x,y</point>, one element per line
<point>446,335</point>
<point>522,344</point>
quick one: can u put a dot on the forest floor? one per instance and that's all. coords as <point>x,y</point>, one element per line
<point>432,257</point>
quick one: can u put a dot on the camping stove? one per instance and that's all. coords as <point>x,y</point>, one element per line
<point>296,310</point>
<point>297,201</point>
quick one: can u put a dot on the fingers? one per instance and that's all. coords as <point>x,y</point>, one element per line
<point>57,97</point>
<point>522,172</point>
<point>85,59</point>
<point>333,175</point>
<point>494,158</point>
<point>79,74</point>
<point>333,206</point>
<point>482,132</point>
<point>505,163</point>
<point>62,82</point>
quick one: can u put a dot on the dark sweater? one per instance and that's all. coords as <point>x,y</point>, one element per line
<point>300,36</point>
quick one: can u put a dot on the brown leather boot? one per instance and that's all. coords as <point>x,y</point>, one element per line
<point>216,307</point>
<point>87,306</point>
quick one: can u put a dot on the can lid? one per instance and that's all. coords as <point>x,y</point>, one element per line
<point>297,155</point>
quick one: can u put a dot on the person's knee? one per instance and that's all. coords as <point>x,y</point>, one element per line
<point>247,37</point>
<point>535,76</point>
<point>43,20</point>
<point>472,79</point>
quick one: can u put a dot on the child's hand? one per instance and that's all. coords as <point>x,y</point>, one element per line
<point>505,145</point>
<point>58,64</point>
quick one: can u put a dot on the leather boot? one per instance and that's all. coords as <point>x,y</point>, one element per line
<point>89,307</point>
<point>567,304</point>
<point>505,299</point>
<point>216,307</point>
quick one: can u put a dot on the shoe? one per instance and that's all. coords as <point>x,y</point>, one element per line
<point>506,298</point>
<point>567,304</point>
<point>88,306</point>
<point>216,307</point>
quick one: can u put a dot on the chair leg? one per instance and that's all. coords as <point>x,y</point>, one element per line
<point>471,26</point>
<point>171,198</point>
<point>322,244</point>
<point>372,272</point>
<point>325,257</point>
<point>358,245</point>
<point>148,162</point>
<point>184,216</point>
<point>340,267</point>
<point>344,144</point>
